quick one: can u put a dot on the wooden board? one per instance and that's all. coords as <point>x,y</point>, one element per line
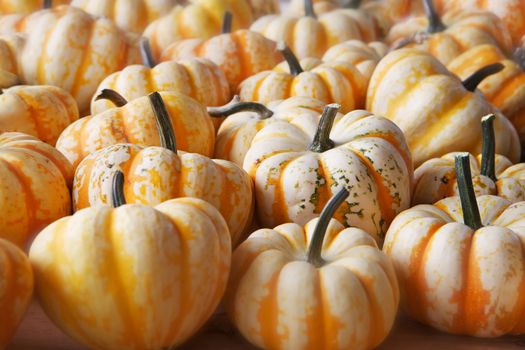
<point>38,333</point>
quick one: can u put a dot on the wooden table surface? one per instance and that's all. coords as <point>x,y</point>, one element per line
<point>38,333</point>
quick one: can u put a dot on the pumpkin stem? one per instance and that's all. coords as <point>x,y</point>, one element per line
<point>162,117</point>
<point>472,82</point>
<point>145,53</point>
<point>322,142</point>
<point>291,59</point>
<point>435,25</point>
<point>227,21</point>
<point>117,190</point>
<point>313,255</point>
<point>113,96</point>
<point>351,4</point>
<point>519,57</point>
<point>236,106</point>
<point>488,147</point>
<point>309,9</point>
<point>467,196</point>
<point>47,4</point>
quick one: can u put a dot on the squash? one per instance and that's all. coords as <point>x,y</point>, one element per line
<point>321,286</point>
<point>41,111</point>
<point>198,78</point>
<point>447,39</point>
<point>104,273</point>
<point>134,122</point>
<point>35,187</point>
<point>130,15</point>
<point>68,48</point>
<point>240,54</point>
<point>298,165</point>
<point>27,6</point>
<point>436,111</point>
<point>460,262</point>
<point>16,289</point>
<point>9,47</point>
<point>156,174</point>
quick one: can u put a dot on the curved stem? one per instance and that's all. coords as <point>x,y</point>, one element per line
<point>291,59</point>
<point>113,96</point>
<point>351,4</point>
<point>227,22</point>
<point>117,190</point>
<point>467,196</point>
<point>236,106</point>
<point>47,4</point>
<point>434,21</point>
<point>472,82</point>
<point>313,255</point>
<point>162,117</point>
<point>322,142</point>
<point>488,147</point>
<point>309,9</point>
<point>145,53</point>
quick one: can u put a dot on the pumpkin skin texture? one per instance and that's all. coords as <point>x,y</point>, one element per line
<point>26,6</point>
<point>35,186</point>
<point>200,19</point>
<point>293,182</point>
<point>198,78</point>
<point>135,123</point>
<point>40,111</point>
<point>16,289</point>
<point>432,107</point>
<point>155,174</point>
<point>280,301</point>
<point>99,49</point>
<point>240,54</point>
<point>160,269</point>
<point>130,15</point>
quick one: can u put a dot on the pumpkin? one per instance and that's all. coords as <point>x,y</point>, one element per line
<point>240,54</point>
<point>9,46</point>
<point>68,48</point>
<point>245,119</point>
<point>298,165</point>
<point>436,111</point>
<point>506,89</point>
<point>132,15</point>
<point>27,6</point>
<point>134,122</point>
<point>492,173</point>
<point>35,186</point>
<point>264,7</point>
<point>200,19</point>
<point>364,57</point>
<point>321,286</point>
<point>332,82</point>
<point>312,35</point>
<point>447,39</point>
<point>104,273</point>
<point>156,174</point>
<point>198,78</point>
<point>41,111</point>
<point>460,261</point>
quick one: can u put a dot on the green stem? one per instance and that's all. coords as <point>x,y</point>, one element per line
<point>467,196</point>
<point>236,106</point>
<point>435,25</point>
<point>291,59</point>
<point>472,82</point>
<point>47,4</point>
<point>313,255</point>
<point>162,117</point>
<point>351,4</point>
<point>117,190</point>
<point>309,9</point>
<point>145,53</point>
<point>227,22</point>
<point>113,96</point>
<point>322,142</point>
<point>488,147</point>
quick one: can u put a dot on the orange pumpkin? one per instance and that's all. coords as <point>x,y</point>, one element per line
<point>35,186</point>
<point>16,289</point>
<point>104,273</point>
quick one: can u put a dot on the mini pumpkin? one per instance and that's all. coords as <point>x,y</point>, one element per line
<point>35,186</point>
<point>105,272</point>
<point>27,6</point>
<point>320,286</point>
<point>460,261</point>
<point>9,47</point>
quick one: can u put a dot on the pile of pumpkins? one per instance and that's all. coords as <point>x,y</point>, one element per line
<point>311,168</point>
